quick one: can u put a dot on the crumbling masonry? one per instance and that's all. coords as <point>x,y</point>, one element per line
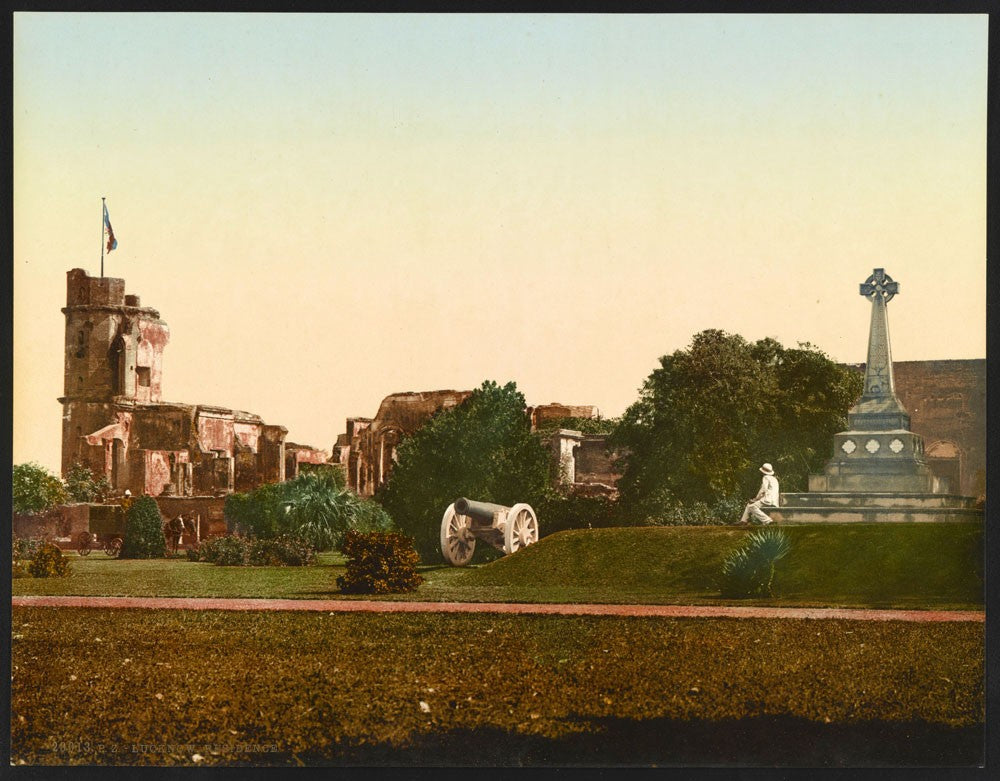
<point>116,422</point>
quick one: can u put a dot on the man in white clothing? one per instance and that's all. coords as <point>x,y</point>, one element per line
<point>767,496</point>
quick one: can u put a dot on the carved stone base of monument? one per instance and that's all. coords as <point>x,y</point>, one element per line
<point>877,461</point>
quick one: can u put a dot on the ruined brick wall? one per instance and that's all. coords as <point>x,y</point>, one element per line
<point>65,521</point>
<point>946,401</point>
<point>546,413</point>
<point>295,455</point>
<point>209,509</point>
<point>595,461</point>
<point>372,450</point>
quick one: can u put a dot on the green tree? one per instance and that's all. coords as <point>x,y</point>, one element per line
<point>482,449</point>
<point>711,414</point>
<point>143,538</point>
<point>83,486</point>
<point>35,489</point>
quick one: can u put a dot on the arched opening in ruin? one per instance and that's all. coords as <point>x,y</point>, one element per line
<point>945,460</point>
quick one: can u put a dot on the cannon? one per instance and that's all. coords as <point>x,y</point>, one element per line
<point>505,528</point>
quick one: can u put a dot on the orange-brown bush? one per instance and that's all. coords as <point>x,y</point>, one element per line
<point>49,562</point>
<point>379,563</point>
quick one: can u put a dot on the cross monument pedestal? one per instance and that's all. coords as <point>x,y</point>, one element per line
<point>878,471</point>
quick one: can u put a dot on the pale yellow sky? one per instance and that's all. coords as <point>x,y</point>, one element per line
<point>329,209</point>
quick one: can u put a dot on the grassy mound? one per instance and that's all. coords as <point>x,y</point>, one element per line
<point>864,565</point>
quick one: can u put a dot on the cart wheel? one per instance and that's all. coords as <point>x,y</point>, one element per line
<point>521,529</point>
<point>83,543</point>
<point>113,546</point>
<point>457,540</point>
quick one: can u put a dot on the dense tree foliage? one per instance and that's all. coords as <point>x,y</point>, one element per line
<point>35,489</point>
<point>482,449</point>
<point>711,414</point>
<point>83,486</point>
<point>315,507</point>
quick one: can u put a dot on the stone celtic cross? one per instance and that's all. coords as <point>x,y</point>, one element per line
<point>879,284</point>
<point>879,288</point>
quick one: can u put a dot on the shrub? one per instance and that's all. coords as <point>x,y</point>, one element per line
<point>749,571</point>
<point>228,551</point>
<point>379,563</point>
<point>22,551</point>
<point>294,551</point>
<point>284,550</point>
<point>143,537</point>
<point>236,551</point>
<point>263,553</point>
<point>49,562</point>
<point>557,513</point>
<point>673,512</point>
<point>25,547</point>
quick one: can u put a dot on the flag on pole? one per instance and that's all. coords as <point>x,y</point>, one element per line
<point>112,241</point>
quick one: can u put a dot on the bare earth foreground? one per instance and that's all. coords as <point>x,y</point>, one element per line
<point>289,682</point>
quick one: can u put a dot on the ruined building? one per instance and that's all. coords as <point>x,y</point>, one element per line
<point>367,450</point>
<point>116,422</point>
<point>946,401</point>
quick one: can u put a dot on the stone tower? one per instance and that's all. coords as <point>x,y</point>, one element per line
<point>113,355</point>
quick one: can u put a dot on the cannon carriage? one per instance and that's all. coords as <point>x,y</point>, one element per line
<point>505,528</point>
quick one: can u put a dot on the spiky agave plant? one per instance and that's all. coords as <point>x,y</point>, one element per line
<point>749,571</point>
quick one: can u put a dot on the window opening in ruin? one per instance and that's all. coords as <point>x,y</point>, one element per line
<point>81,345</point>
<point>142,376</point>
<point>116,360</point>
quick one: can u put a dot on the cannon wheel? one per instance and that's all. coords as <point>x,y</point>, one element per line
<point>521,528</point>
<point>113,546</point>
<point>83,540</point>
<point>457,540</point>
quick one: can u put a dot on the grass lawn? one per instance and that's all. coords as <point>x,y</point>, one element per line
<point>851,565</point>
<point>159,687</point>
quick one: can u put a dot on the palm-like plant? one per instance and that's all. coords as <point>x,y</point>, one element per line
<point>749,571</point>
<point>317,508</point>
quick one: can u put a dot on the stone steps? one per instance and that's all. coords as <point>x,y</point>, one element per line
<point>789,514</point>
<point>829,499</point>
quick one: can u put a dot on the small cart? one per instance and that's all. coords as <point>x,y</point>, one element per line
<point>106,532</point>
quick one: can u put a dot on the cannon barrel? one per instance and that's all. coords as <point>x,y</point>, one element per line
<point>481,511</point>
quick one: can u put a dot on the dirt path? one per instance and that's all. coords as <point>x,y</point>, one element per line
<point>367,606</point>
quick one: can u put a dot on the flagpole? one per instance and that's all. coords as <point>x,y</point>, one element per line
<point>102,237</point>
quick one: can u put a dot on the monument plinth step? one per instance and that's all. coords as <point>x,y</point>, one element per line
<point>883,500</point>
<point>845,514</point>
